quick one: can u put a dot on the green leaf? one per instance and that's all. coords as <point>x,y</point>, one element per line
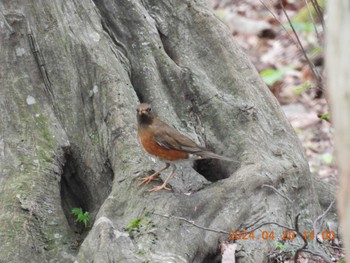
<point>83,218</point>
<point>300,26</point>
<point>80,215</point>
<point>279,245</point>
<point>327,158</point>
<point>135,223</point>
<point>76,211</point>
<point>325,116</point>
<point>303,87</point>
<point>271,76</point>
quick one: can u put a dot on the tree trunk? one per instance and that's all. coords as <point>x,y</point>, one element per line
<point>73,73</point>
<point>338,75</point>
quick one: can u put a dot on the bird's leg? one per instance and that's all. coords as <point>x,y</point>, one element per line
<point>163,186</point>
<point>152,177</point>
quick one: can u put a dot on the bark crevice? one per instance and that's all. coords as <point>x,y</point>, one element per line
<point>75,192</point>
<point>99,72</point>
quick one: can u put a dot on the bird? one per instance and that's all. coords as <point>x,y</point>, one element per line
<point>167,144</point>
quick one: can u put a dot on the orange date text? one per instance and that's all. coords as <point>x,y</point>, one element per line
<point>284,235</point>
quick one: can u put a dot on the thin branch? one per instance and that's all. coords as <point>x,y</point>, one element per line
<point>278,192</point>
<point>318,11</point>
<point>312,18</point>
<point>279,22</point>
<point>311,65</point>
<point>302,236</point>
<point>252,224</point>
<point>319,252</point>
<point>296,228</point>
<point>319,218</point>
<point>270,223</point>
<point>325,212</point>
<point>194,224</point>
<point>304,247</point>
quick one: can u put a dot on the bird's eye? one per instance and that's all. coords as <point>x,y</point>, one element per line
<point>149,109</point>
<point>137,110</point>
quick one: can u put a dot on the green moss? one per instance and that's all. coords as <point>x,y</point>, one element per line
<point>139,225</point>
<point>44,156</point>
<point>35,142</point>
<point>94,138</point>
<point>135,223</point>
<point>304,14</point>
<point>44,130</point>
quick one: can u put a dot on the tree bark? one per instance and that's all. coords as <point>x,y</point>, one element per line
<point>338,75</point>
<point>72,74</point>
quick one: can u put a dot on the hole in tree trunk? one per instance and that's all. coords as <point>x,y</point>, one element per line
<point>212,169</point>
<point>213,258</point>
<point>81,188</point>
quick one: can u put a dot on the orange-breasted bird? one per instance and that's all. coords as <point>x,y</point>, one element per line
<point>167,144</point>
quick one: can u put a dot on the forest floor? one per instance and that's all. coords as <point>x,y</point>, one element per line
<point>262,29</point>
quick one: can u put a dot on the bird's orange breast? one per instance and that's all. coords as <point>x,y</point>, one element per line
<point>152,147</point>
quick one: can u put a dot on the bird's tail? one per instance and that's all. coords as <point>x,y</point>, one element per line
<point>211,155</point>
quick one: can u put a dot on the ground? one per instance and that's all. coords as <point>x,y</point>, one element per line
<point>258,28</point>
<point>263,31</point>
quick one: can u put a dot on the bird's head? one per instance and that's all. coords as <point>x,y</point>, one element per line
<point>144,114</point>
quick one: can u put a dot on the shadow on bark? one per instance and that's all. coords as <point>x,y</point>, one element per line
<point>77,193</point>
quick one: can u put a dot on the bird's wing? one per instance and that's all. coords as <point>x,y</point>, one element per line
<point>170,138</point>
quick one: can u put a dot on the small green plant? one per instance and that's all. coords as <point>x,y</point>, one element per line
<point>280,245</point>
<point>305,86</point>
<point>327,159</point>
<point>271,76</point>
<point>134,224</point>
<point>80,215</point>
<point>324,116</point>
<point>139,225</point>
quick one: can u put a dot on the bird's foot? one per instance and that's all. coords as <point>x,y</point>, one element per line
<point>146,180</point>
<point>160,187</point>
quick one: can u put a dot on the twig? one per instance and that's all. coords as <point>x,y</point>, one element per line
<point>325,212</point>
<point>319,218</point>
<point>252,224</point>
<point>304,247</point>
<point>194,224</point>
<point>311,65</point>
<point>301,235</point>
<point>278,192</point>
<point>318,252</point>
<point>318,11</point>
<point>270,223</point>
<point>40,61</point>
<point>279,22</point>
<point>296,229</point>
<point>312,18</point>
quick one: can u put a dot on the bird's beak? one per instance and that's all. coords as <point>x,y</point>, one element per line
<point>143,112</point>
